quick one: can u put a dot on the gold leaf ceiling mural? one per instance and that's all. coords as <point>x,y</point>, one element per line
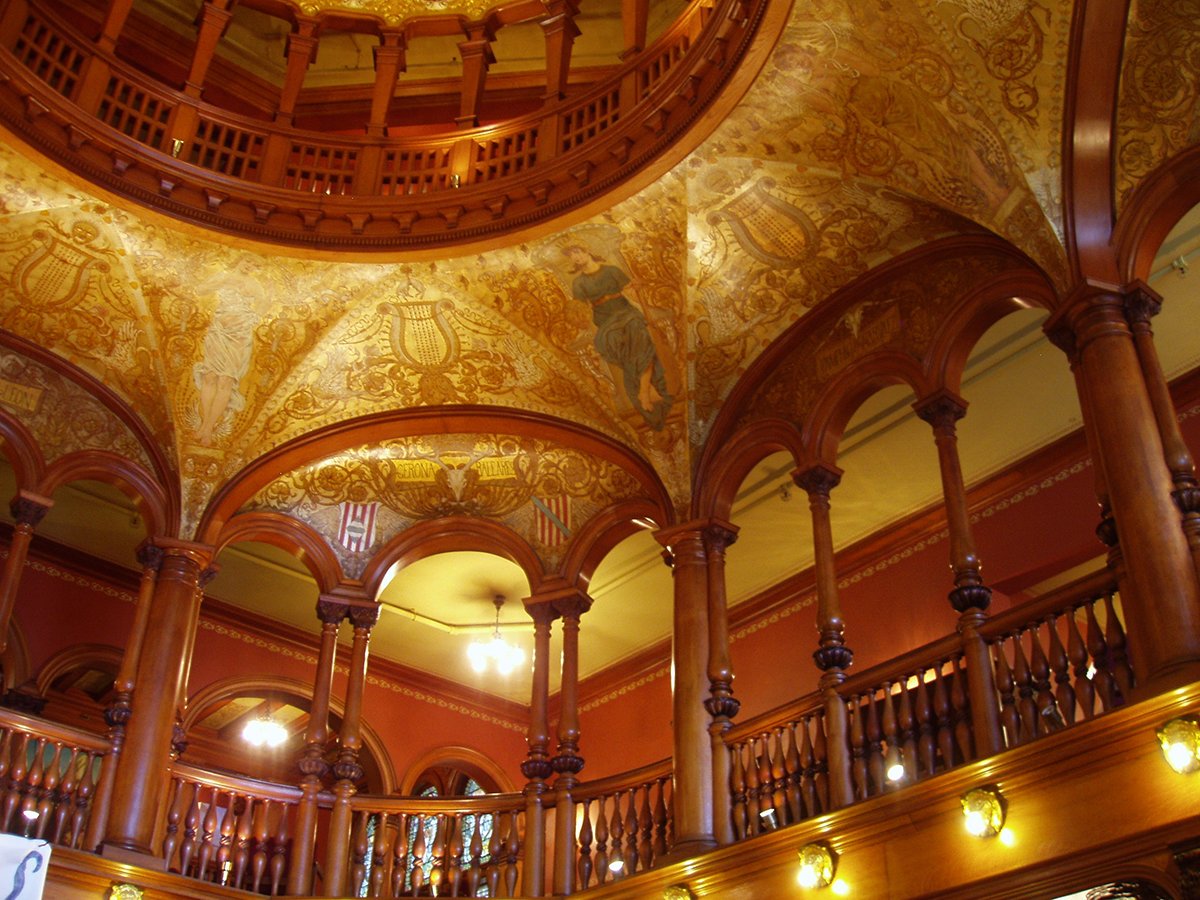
<point>871,129</point>
<point>1159,113</point>
<point>542,492</point>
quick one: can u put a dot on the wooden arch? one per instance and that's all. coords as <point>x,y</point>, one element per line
<point>758,440</point>
<point>602,533</point>
<point>836,404</point>
<point>979,311</point>
<point>241,686</point>
<point>164,474</point>
<point>147,494</point>
<point>448,534</point>
<point>1159,202</point>
<point>15,660</point>
<point>463,758</point>
<point>282,531</point>
<point>392,424</point>
<point>100,656</point>
<point>20,448</point>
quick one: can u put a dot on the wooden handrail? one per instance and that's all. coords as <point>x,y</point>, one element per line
<point>239,784</point>
<point>54,732</point>
<point>480,804</point>
<point>624,781</point>
<point>1087,588</point>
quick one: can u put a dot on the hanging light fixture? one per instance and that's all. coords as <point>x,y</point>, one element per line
<point>264,730</point>
<point>506,656</point>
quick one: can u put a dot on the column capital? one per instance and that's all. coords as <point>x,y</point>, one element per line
<point>941,409</point>
<point>149,555</point>
<point>29,508</point>
<point>331,610</point>
<point>393,42</point>
<point>817,478</point>
<point>302,43</point>
<point>201,555</point>
<point>1142,303</point>
<point>719,534</point>
<point>568,601</point>
<point>364,616</point>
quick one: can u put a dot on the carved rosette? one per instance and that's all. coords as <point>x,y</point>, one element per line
<point>567,764</point>
<point>312,762</point>
<point>118,712</point>
<point>538,768</point>
<point>179,741</point>
<point>347,767</point>
<point>970,596</point>
<point>722,704</point>
<point>834,654</point>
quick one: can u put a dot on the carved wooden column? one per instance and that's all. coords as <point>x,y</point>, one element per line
<point>312,765</point>
<point>1140,305</point>
<point>138,790</point>
<point>27,510</point>
<point>301,52</point>
<point>389,63</point>
<point>567,763</point>
<point>970,596</point>
<point>347,768</point>
<point>1163,613</point>
<point>692,750</point>
<point>215,16</point>
<point>93,79</point>
<point>560,31</point>
<point>476,54</point>
<point>634,16</point>
<point>721,704</point>
<point>149,556</point>
<point>833,657</point>
<point>537,766</point>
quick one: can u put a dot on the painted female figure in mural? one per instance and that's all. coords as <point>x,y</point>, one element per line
<point>623,336</point>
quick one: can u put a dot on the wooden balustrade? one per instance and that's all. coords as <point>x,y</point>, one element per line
<point>1058,660</point>
<point>48,775</point>
<point>229,830</point>
<point>625,817</point>
<point>96,112</point>
<point>453,847</point>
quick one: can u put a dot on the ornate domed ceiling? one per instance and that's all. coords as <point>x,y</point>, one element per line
<point>295,382</point>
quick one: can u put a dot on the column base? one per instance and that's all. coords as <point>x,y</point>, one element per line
<point>139,858</point>
<point>686,849</point>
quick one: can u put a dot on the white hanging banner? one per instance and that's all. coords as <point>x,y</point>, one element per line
<point>23,865</point>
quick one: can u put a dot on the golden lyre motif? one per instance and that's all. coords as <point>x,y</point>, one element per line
<point>56,272</point>
<point>774,232</point>
<point>421,334</point>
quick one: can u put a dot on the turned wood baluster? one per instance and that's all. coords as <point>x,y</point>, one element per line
<point>191,824</point>
<point>808,762</point>
<point>33,780</point>
<point>1098,650</point>
<point>601,840</point>
<point>616,831</point>
<point>16,781</point>
<point>45,795</point>
<point>224,840</point>
<point>1023,679</point>
<point>514,848</point>
<point>1114,636</point>
<point>646,823</point>
<point>821,759</point>
<point>1006,685</point>
<point>358,852</point>
<point>1049,718</point>
<point>83,795</point>
<point>454,854</point>
<point>795,774</point>
<point>779,777</point>
<point>891,730</point>
<point>632,830</point>
<point>400,856</point>
<point>8,751</point>
<point>495,849</point>
<point>906,722</point>
<point>926,741</point>
<point>874,747</point>
<point>962,711</point>
<point>585,846</point>
<point>1061,667</point>
<point>766,782</point>
<point>245,834</point>
<point>262,834</point>
<point>381,856</point>
<point>858,748</point>
<point>211,840</point>
<point>945,717</point>
<point>1085,691</point>
<point>753,809</point>
<point>68,802</point>
<point>737,789</point>
<point>662,819</point>
<point>475,865</point>
<point>279,847</point>
<point>175,813</point>
<point>437,874</point>
<point>417,878</point>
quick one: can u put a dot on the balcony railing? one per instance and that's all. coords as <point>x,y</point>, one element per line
<point>1056,662</point>
<point>162,147</point>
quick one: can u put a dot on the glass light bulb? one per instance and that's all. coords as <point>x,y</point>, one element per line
<point>808,876</point>
<point>895,772</point>
<point>976,823</point>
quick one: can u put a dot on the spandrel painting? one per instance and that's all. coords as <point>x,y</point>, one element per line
<point>632,343</point>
